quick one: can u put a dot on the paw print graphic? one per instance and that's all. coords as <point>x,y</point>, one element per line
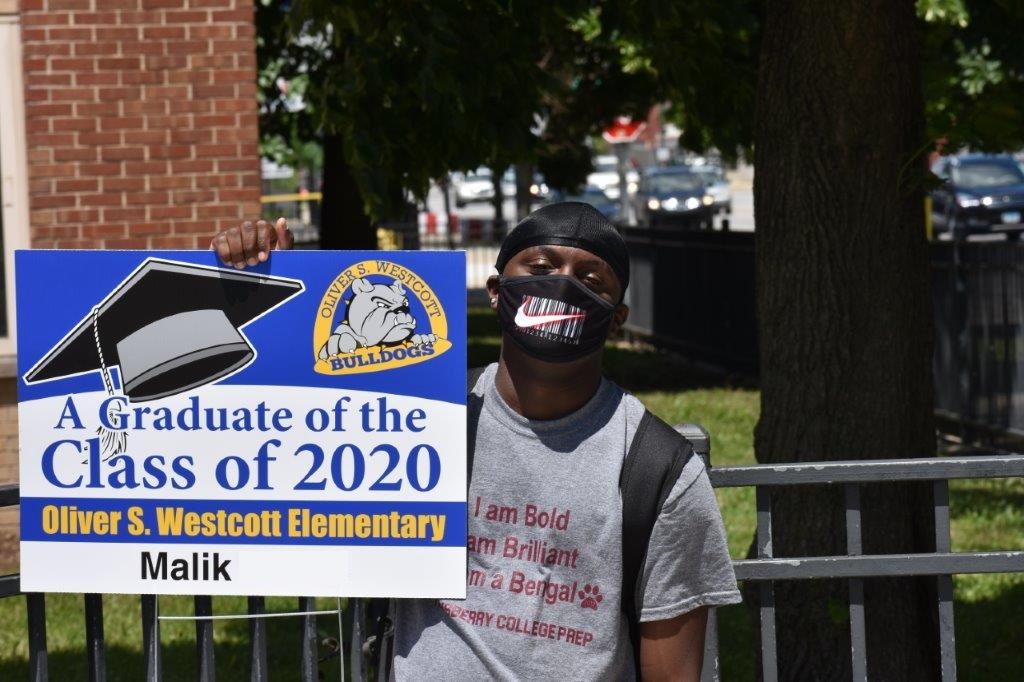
<point>591,596</point>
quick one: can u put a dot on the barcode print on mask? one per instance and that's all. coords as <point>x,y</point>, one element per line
<point>551,319</point>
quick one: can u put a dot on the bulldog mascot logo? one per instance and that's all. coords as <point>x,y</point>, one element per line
<point>378,315</point>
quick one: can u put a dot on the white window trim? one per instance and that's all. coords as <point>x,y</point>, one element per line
<point>13,174</point>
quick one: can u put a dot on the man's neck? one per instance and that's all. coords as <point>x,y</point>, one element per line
<point>545,390</point>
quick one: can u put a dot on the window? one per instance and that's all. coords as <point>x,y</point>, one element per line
<point>14,233</point>
<point>676,182</point>
<point>981,174</point>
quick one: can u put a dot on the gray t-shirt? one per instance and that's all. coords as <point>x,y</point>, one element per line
<point>545,553</point>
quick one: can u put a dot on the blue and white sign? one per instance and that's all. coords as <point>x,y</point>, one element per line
<point>293,428</point>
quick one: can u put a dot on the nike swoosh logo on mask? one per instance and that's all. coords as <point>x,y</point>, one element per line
<point>524,319</point>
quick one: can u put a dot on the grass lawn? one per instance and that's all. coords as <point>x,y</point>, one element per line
<point>987,515</point>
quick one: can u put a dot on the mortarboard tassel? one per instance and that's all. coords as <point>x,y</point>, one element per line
<point>111,442</point>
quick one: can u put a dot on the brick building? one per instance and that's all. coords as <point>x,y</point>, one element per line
<point>124,124</point>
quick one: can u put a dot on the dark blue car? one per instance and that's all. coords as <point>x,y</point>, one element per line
<point>979,193</point>
<point>674,196</point>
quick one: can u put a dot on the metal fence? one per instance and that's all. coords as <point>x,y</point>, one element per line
<point>95,649</point>
<point>768,480</point>
<point>978,291</point>
<point>694,291</point>
<point>855,566</point>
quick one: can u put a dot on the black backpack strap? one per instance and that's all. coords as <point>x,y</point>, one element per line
<point>377,614</point>
<point>656,457</point>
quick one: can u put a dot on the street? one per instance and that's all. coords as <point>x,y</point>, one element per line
<point>741,182</point>
<point>480,256</point>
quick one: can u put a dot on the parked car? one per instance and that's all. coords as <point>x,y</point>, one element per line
<point>717,187</point>
<point>591,195</point>
<point>478,186</point>
<point>979,193</point>
<point>539,190</point>
<point>674,196</point>
<point>606,177</point>
<point>473,186</point>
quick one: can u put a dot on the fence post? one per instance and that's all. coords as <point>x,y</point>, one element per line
<point>701,441</point>
<point>962,349</point>
<point>386,643</point>
<point>858,638</point>
<point>356,647</point>
<point>257,640</point>
<point>769,662</point>
<point>151,637</point>
<point>709,671</point>
<point>37,657</point>
<point>204,639</point>
<point>95,647</point>
<point>944,583</point>
<point>309,639</point>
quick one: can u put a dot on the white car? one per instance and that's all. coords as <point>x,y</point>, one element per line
<point>474,186</point>
<point>606,177</point>
<point>478,185</point>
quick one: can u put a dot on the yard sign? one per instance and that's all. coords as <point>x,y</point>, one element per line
<point>293,428</point>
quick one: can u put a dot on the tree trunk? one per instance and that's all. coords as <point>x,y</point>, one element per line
<point>343,220</point>
<point>524,200</point>
<point>845,314</point>
<point>499,203</point>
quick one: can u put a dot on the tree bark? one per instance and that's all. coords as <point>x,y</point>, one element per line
<point>524,200</point>
<point>498,202</point>
<point>844,307</point>
<point>343,220</point>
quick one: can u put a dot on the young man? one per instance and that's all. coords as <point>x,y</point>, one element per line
<point>545,511</point>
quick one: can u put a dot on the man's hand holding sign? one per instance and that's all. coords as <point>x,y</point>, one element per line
<point>251,242</point>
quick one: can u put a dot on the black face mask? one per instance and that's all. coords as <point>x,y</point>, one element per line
<point>554,318</point>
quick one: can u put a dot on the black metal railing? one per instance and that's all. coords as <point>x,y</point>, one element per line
<point>764,570</point>
<point>693,291</point>
<point>855,566</point>
<point>978,292</point>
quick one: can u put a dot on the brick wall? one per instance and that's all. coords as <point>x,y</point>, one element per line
<point>141,121</point>
<point>141,127</point>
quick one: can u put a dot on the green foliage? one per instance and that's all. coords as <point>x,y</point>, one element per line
<point>595,74</point>
<point>705,56</point>
<point>950,12</point>
<point>418,89</point>
<point>415,89</point>
<point>973,73</point>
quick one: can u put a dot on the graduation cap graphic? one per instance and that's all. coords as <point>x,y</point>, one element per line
<point>169,327</point>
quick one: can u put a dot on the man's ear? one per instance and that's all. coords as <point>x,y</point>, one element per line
<point>492,292</point>
<point>619,317</point>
